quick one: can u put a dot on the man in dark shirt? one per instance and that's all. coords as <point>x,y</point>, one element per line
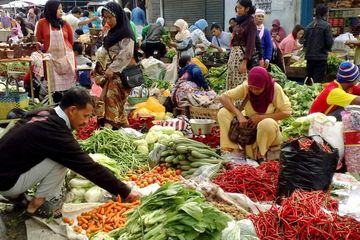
<point>41,147</point>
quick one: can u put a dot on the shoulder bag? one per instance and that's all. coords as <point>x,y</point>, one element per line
<point>242,135</point>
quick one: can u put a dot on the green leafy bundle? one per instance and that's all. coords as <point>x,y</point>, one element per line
<point>173,212</point>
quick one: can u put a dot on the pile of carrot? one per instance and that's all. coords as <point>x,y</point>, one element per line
<point>105,218</point>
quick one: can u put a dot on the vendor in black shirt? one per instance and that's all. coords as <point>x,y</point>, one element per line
<point>41,147</point>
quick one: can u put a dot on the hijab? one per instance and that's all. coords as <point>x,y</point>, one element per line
<point>277,29</point>
<point>50,12</point>
<point>184,33</point>
<point>160,21</point>
<point>259,77</point>
<point>199,24</point>
<point>121,30</point>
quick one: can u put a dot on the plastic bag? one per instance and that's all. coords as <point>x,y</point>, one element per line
<point>331,131</point>
<point>207,171</point>
<point>239,230</point>
<point>155,154</point>
<point>153,68</point>
<point>171,74</point>
<point>311,169</point>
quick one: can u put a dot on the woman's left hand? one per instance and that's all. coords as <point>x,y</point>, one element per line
<point>109,73</point>
<point>255,119</point>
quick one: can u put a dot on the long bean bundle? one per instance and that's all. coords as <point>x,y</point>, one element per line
<point>116,145</point>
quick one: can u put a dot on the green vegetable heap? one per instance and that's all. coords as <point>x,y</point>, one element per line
<point>160,84</point>
<point>301,96</point>
<point>117,146</point>
<point>173,212</point>
<point>217,79</point>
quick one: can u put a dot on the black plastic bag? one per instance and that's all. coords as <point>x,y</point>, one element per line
<point>309,170</point>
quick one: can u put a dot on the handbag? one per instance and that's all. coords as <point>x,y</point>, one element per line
<point>242,135</point>
<point>132,76</point>
<point>254,61</point>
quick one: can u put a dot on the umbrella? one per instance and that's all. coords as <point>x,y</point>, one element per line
<point>35,2</point>
<point>15,4</point>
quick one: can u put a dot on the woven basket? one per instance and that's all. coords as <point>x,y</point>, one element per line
<point>203,113</point>
<point>11,100</point>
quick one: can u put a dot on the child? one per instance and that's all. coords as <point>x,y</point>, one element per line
<point>83,75</point>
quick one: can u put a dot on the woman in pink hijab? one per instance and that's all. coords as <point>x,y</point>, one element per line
<point>277,32</point>
<point>266,103</point>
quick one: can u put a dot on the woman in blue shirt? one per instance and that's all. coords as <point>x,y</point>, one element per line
<point>265,36</point>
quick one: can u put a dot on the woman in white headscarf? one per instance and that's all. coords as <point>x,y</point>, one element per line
<point>183,39</point>
<point>152,35</point>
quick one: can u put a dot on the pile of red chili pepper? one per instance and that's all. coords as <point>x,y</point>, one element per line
<point>305,144</point>
<point>302,216</point>
<point>85,132</point>
<point>212,139</point>
<point>259,184</point>
<point>141,123</point>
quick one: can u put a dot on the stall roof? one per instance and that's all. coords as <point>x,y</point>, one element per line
<point>15,4</point>
<point>97,3</point>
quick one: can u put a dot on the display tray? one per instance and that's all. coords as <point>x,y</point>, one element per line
<point>295,72</point>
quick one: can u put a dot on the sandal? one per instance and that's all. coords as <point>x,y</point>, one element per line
<point>44,211</point>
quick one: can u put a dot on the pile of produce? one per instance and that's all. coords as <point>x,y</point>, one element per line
<point>278,75</point>
<point>161,135</point>
<point>300,64</point>
<point>301,96</point>
<point>217,78</point>
<point>230,209</point>
<point>298,127</point>
<point>105,218</point>
<point>161,84</point>
<point>306,215</point>
<point>160,175</point>
<point>258,183</point>
<point>212,139</point>
<point>171,53</point>
<point>189,155</point>
<point>173,212</point>
<point>117,146</point>
<point>333,64</point>
<point>86,131</point>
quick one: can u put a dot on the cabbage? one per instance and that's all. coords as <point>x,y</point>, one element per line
<point>80,183</point>
<point>107,162</point>
<point>143,149</point>
<point>101,236</point>
<point>94,194</point>
<point>151,137</point>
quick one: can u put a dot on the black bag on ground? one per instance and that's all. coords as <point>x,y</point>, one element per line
<point>311,169</point>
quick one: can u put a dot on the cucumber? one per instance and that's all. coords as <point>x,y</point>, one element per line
<point>184,162</point>
<point>182,157</point>
<point>181,149</point>
<point>199,164</point>
<point>188,172</point>
<point>196,154</point>
<point>205,160</point>
<point>176,160</point>
<point>208,152</point>
<point>185,167</point>
<point>167,153</point>
<point>170,158</point>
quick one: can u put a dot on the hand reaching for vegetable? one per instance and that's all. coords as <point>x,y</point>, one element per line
<point>109,73</point>
<point>133,196</point>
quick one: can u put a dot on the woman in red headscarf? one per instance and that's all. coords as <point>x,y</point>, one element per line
<point>266,104</point>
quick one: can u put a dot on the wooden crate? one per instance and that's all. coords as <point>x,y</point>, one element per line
<point>203,113</point>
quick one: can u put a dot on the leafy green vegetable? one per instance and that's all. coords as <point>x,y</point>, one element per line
<point>333,64</point>
<point>166,38</point>
<point>217,78</point>
<point>161,84</point>
<point>278,75</point>
<point>171,53</point>
<point>173,212</point>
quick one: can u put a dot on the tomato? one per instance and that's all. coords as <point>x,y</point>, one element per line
<point>178,171</point>
<point>134,177</point>
<point>150,181</point>
<point>166,174</point>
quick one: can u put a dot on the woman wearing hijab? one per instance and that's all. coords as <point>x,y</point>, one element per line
<point>183,39</point>
<point>267,104</point>
<point>243,44</point>
<point>57,38</point>
<point>152,35</point>
<point>277,32</point>
<point>198,37</point>
<point>111,59</point>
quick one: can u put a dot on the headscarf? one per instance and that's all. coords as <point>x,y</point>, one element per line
<point>184,33</point>
<point>160,21</point>
<point>199,24</point>
<point>276,28</point>
<point>121,30</point>
<point>50,12</point>
<point>259,77</point>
